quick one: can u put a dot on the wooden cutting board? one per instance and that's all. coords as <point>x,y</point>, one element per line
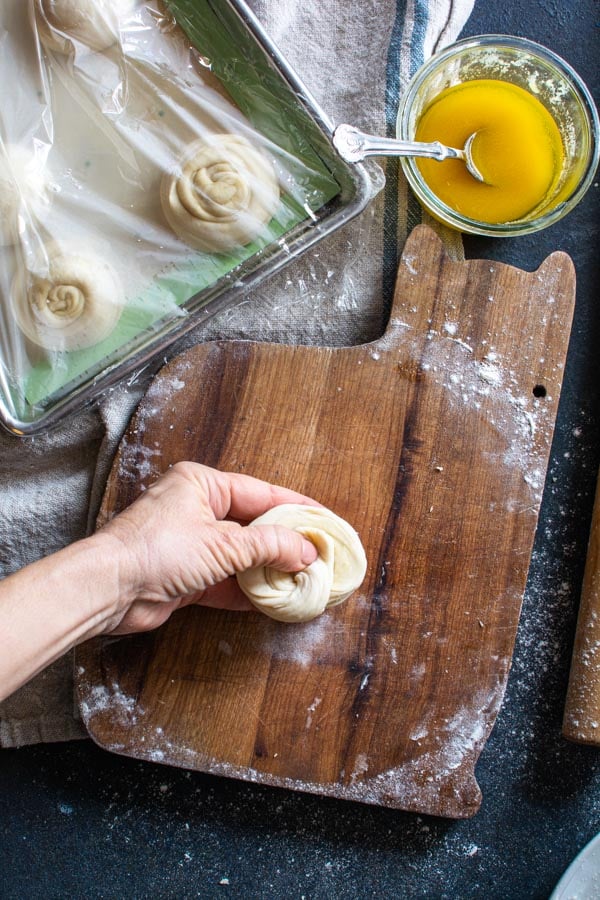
<point>433,442</point>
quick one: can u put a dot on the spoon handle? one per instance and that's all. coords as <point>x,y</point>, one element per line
<point>354,145</point>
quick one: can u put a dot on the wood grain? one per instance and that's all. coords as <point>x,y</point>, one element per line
<point>433,442</point>
<point>581,722</point>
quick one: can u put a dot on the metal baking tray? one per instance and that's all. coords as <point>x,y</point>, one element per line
<point>244,52</point>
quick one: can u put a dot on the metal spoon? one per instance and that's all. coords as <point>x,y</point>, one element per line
<point>354,145</point>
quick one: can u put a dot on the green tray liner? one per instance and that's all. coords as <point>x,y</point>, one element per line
<point>274,111</point>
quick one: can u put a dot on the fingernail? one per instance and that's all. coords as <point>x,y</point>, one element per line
<point>309,553</point>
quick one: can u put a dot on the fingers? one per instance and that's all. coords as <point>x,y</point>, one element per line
<point>237,496</point>
<point>234,548</point>
<point>250,497</point>
<point>278,547</point>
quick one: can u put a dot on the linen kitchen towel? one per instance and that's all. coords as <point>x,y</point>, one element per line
<point>356,60</point>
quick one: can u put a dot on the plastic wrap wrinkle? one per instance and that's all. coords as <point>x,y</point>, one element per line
<point>112,105</point>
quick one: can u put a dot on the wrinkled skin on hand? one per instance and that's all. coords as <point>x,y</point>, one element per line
<point>187,535</point>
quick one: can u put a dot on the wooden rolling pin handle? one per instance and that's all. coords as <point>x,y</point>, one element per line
<point>581,720</point>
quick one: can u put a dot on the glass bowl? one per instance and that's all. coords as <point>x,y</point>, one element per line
<point>541,73</point>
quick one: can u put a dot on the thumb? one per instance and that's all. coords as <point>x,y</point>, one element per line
<point>277,547</point>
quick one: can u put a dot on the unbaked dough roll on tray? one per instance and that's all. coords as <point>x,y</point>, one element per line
<point>337,572</point>
<point>73,301</point>
<point>220,194</point>
<point>94,23</point>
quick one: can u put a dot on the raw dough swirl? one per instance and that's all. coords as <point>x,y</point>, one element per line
<point>338,570</point>
<point>23,187</point>
<point>76,303</point>
<point>221,193</point>
<point>94,23</point>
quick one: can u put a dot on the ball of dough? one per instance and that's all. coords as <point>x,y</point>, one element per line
<point>221,193</point>
<point>94,23</point>
<point>74,302</point>
<point>336,573</point>
<point>23,187</point>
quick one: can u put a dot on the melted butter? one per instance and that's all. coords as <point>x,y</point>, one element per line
<point>518,150</point>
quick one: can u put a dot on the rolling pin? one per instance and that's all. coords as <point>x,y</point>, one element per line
<point>581,720</point>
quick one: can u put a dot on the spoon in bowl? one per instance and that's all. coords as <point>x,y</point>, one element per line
<point>354,145</point>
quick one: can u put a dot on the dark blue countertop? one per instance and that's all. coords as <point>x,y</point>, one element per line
<point>78,822</point>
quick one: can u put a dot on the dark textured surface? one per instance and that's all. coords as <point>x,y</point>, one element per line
<point>77,822</point>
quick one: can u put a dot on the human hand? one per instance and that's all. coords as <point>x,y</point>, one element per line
<point>183,538</point>
<point>177,544</point>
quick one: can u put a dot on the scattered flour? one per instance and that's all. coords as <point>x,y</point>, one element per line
<point>409,262</point>
<point>444,772</point>
<point>312,709</point>
<point>297,644</point>
<point>517,426</point>
<point>139,462</point>
<point>101,699</point>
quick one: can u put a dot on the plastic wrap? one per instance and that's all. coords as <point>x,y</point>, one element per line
<point>155,160</point>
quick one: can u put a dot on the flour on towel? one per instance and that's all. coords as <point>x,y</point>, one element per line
<point>355,58</point>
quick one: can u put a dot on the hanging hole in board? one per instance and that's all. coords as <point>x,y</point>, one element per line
<point>539,390</point>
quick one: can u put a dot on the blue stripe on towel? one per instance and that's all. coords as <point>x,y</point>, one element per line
<point>393,171</point>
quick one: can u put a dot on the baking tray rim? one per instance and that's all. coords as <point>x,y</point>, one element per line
<point>88,392</point>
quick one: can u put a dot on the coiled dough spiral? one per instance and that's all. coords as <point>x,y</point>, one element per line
<point>336,573</point>
<point>23,188</point>
<point>94,23</point>
<point>221,194</point>
<point>75,304</point>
